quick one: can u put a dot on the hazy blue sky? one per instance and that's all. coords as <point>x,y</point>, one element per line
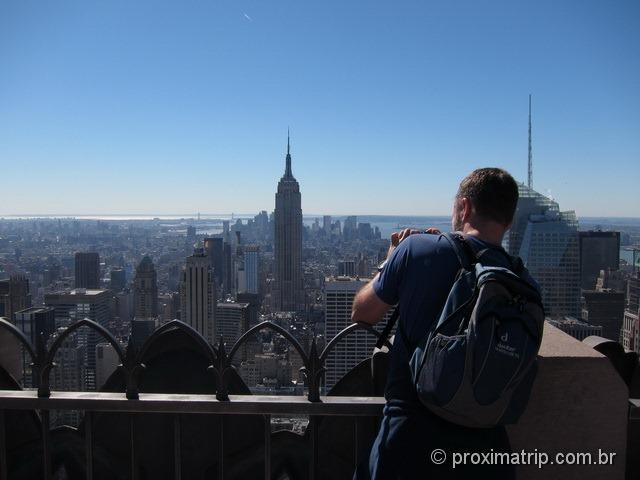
<point>177,107</point>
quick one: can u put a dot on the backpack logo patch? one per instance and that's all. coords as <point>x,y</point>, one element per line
<point>504,348</point>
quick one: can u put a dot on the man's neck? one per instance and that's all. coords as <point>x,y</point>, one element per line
<point>488,236</point>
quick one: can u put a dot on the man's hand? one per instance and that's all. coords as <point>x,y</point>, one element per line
<point>397,237</point>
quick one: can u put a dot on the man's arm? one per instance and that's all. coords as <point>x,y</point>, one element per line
<point>367,306</point>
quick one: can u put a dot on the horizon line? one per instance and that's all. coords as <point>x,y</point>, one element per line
<point>236,214</point>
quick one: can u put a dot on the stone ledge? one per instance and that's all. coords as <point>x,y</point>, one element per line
<point>578,404</point>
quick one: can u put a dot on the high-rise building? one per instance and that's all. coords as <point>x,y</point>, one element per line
<point>215,251</point>
<point>547,241</point>
<point>118,278</point>
<point>227,268</point>
<point>598,251</point>
<point>34,321</point>
<point>253,299</point>
<point>123,305</point>
<point>198,303</point>
<point>69,374</point>
<point>615,280</point>
<point>631,331</point>
<point>251,254</point>
<point>326,224</point>
<point>75,305</point>
<point>191,234</point>
<point>145,290</point>
<point>232,320</point>
<point>338,300</point>
<point>87,267</point>
<point>605,308</point>
<point>347,268</point>
<point>240,283</point>
<point>631,322</point>
<point>288,291</point>
<point>365,231</point>
<point>262,224</point>
<point>350,228</point>
<point>14,296</point>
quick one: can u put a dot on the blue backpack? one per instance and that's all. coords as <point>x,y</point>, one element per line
<point>477,366</point>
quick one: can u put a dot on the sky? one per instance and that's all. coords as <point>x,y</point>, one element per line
<point>158,107</point>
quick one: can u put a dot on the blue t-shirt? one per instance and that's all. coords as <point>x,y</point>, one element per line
<point>418,277</point>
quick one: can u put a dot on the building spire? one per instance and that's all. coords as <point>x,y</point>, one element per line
<point>287,172</point>
<point>530,169</point>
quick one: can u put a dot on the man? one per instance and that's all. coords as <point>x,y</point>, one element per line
<point>417,276</point>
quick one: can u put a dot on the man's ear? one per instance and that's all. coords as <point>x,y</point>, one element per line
<point>467,209</point>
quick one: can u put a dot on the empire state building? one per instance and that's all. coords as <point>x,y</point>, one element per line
<point>288,292</point>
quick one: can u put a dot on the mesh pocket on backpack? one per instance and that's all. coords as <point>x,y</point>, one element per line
<point>442,368</point>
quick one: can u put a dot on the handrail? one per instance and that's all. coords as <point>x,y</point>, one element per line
<point>192,403</point>
<point>220,362</point>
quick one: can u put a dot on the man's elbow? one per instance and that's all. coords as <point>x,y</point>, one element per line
<point>356,315</point>
<point>362,312</point>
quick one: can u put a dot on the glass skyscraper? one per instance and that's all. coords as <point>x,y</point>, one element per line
<point>547,241</point>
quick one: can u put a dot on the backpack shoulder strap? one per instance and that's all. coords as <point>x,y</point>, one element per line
<point>517,265</point>
<point>463,247</point>
<point>465,252</point>
<point>386,332</point>
<point>388,327</point>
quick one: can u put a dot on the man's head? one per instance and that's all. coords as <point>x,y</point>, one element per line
<point>486,201</point>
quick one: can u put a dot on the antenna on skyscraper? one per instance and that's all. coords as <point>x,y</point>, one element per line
<point>287,171</point>
<point>530,172</point>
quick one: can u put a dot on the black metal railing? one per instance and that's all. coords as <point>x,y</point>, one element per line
<point>132,401</point>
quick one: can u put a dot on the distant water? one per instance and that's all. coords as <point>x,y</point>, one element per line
<point>212,223</point>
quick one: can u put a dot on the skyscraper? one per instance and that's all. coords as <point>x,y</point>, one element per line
<point>604,308</point>
<point>145,290</point>
<point>251,268</point>
<point>288,292</point>
<point>14,296</point>
<point>631,324</point>
<point>350,228</point>
<point>70,373</point>
<point>215,250</point>
<point>191,234</point>
<point>78,304</point>
<point>326,224</point>
<point>547,241</point>
<point>118,279</point>
<point>198,303</point>
<point>598,251</point>
<point>87,268</point>
<point>347,268</point>
<point>338,300</point>
<point>227,268</point>
<point>232,320</point>
<point>33,321</point>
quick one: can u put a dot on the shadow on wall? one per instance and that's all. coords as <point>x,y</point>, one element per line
<point>174,354</point>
